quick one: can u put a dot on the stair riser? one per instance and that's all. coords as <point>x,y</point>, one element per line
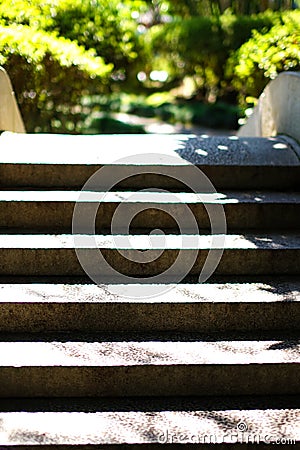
<point>150,380</point>
<point>76,175</point>
<point>57,216</point>
<point>145,317</point>
<point>64,262</point>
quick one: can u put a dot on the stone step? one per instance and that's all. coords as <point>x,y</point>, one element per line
<point>165,161</point>
<point>117,366</point>
<point>148,256</point>
<point>53,210</point>
<point>272,304</point>
<point>144,423</point>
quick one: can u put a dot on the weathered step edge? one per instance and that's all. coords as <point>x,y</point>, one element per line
<point>49,255</point>
<point>183,307</point>
<point>151,368</point>
<point>229,162</point>
<point>53,210</point>
<point>75,176</point>
<point>146,426</point>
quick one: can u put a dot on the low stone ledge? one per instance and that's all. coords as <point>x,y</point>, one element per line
<point>278,110</point>
<point>10,117</point>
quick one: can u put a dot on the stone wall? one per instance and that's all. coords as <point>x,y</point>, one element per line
<point>278,109</point>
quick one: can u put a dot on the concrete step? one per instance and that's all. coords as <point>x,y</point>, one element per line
<point>148,256</point>
<point>117,366</point>
<point>272,304</point>
<point>146,423</point>
<point>53,210</point>
<point>165,161</point>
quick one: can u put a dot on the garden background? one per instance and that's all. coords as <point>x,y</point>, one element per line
<point>77,64</point>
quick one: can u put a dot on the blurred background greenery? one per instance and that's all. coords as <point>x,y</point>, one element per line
<point>77,64</point>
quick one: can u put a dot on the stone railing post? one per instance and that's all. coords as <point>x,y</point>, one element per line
<point>10,117</point>
<point>278,109</point>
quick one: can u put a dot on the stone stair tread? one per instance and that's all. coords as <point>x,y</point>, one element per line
<point>64,339</point>
<point>186,149</point>
<point>52,210</point>
<point>104,422</point>
<point>148,353</point>
<point>135,256</point>
<point>154,366</point>
<point>138,162</point>
<point>224,198</point>
<point>151,243</point>
<point>38,306</point>
<point>271,291</point>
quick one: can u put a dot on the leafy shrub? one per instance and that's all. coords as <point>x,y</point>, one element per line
<point>200,46</point>
<point>265,55</point>
<point>56,52</point>
<point>108,125</point>
<point>61,54</point>
<point>49,74</point>
<point>217,115</point>
<point>105,25</point>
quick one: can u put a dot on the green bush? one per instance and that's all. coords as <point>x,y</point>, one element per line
<point>200,47</point>
<point>265,55</point>
<point>57,52</point>
<point>105,25</point>
<point>71,58</point>
<point>49,74</point>
<point>188,112</point>
<point>109,125</point>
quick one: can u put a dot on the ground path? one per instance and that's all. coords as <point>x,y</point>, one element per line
<point>154,125</point>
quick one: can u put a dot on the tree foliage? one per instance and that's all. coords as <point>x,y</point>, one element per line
<point>265,55</point>
<point>200,47</point>
<point>190,8</point>
<point>58,52</point>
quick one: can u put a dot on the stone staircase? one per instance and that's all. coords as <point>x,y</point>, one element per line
<point>142,357</point>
